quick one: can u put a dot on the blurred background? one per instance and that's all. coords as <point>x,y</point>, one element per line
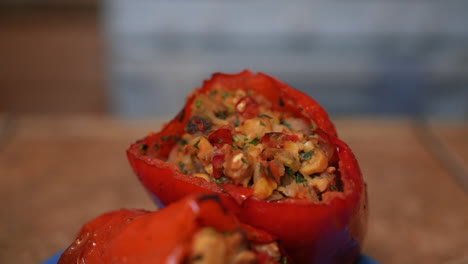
<point>141,58</point>
<point>76,77</point>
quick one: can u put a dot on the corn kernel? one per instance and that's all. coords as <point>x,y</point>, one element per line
<point>317,163</point>
<point>264,188</point>
<point>202,175</point>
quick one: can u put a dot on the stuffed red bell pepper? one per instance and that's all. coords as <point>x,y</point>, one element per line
<point>272,154</point>
<point>195,230</point>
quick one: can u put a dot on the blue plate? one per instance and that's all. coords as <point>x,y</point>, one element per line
<point>54,259</point>
<point>362,260</point>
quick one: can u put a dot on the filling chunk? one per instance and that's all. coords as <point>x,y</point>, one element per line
<point>213,247</point>
<point>236,137</point>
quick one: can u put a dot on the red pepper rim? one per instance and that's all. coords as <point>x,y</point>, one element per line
<point>292,99</point>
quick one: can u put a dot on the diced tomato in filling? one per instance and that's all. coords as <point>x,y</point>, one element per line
<point>247,107</point>
<point>220,137</point>
<point>235,137</point>
<point>276,169</point>
<point>218,165</point>
<point>277,139</point>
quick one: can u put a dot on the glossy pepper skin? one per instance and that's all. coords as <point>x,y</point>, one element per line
<point>164,236</point>
<point>330,231</point>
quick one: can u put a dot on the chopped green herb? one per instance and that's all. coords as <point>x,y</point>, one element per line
<point>261,123</point>
<point>284,260</point>
<point>222,114</point>
<point>182,167</point>
<point>213,93</point>
<point>254,141</point>
<point>312,134</point>
<point>312,126</point>
<point>237,122</point>
<point>157,146</point>
<point>245,160</point>
<point>221,179</point>
<point>265,115</point>
<point>234,147</point>
<point>299,178</point>
<point>246,138</point>
<point>196,145</point>
<point>262,168</point>
<point>270,174</point>
<point>227,233</point>
<point>143,147</point>
<point>285,124</point>
<point>198,103</point>
<point>306,155</point>
<point>231,108</point>
<point>166,138</point>
<point>333,188</point>
<point>226,95</point>
<point>182,142</point>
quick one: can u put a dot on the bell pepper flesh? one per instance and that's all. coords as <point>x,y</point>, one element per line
<point>330,231</point>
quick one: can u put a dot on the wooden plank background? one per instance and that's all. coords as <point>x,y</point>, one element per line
<point>52,61</point>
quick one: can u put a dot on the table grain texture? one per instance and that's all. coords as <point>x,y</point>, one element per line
<point>57,172</point>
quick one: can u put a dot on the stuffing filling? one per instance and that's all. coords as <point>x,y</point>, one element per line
<point>236,137</point>
<point>213,247</point>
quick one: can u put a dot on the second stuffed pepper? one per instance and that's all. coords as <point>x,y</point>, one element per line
<point>195,230</point>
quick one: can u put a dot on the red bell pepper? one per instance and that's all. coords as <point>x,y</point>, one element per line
<point>164,236</point>
<point>329,231</point>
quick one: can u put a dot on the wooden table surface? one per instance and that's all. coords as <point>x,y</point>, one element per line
<point>56,173</point>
